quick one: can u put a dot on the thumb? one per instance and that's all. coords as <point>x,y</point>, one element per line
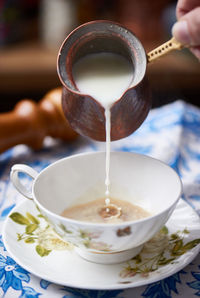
<point>187,29</point>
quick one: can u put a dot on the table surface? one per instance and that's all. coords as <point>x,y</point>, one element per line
<point>170,133</point>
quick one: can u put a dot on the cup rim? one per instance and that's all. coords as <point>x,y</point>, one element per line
<point>106,225</point>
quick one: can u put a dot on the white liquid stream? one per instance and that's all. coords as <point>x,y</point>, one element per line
<point>107,180</point>
<point>105,77</point>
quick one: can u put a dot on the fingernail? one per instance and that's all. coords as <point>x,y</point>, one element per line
<point>181,33</point>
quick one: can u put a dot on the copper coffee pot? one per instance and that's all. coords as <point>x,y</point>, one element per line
<point>84,113</point>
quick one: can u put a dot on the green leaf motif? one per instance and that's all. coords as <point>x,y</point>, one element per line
<point>164,230</point>
<point>83,234</point>
<point>42,251</point>
<point>32,218</point>
<point>29,240</point>
<point>137,259</point>
<point>178,245</point>
<point>86,243</point>
<point>65,229</point>
<point>191,244</point>
<point>185,231</point>
<point>31,228</point>
<point>165,261</point>
<point>19,218</point>
<point>39,232</point>
<point>179,249</point>
<point>174,236</point>
<point>19,236</point>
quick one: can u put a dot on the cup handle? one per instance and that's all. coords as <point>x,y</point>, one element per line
<point>20,168</point>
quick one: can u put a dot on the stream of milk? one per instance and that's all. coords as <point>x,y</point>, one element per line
<point>105,77</point>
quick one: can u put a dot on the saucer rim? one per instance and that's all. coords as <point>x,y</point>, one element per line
<point>113,286</point>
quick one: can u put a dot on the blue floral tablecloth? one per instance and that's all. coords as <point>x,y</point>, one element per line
<point>170,133</point>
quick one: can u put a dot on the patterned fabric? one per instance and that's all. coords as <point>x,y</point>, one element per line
<point>170,133</point>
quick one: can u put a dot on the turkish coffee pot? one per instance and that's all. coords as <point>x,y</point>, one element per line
<point>29,123</point>
<point>84,113</point>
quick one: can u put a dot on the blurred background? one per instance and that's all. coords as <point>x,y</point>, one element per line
<point>31,32</point>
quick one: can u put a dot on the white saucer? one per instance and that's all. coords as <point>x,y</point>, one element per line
<point>63,266</point>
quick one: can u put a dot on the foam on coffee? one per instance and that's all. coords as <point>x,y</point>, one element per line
<point>93,212</point>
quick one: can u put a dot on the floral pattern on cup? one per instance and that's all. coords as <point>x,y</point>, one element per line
<point>38,231</point>
<point>82,238</point>
<point>161,250</point>
<point>48,236</point>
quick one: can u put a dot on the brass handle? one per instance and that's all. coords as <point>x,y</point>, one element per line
<point>164,49</point>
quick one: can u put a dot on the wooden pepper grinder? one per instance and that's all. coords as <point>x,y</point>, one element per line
<point>29,123</point>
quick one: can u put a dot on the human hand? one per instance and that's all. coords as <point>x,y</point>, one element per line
<point>187,29</point>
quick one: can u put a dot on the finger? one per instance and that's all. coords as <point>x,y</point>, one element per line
<point>196,51</point>
<point>187,29</point>
<point>185,6</point>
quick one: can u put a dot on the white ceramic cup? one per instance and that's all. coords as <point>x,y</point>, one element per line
<point>142,180</point>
